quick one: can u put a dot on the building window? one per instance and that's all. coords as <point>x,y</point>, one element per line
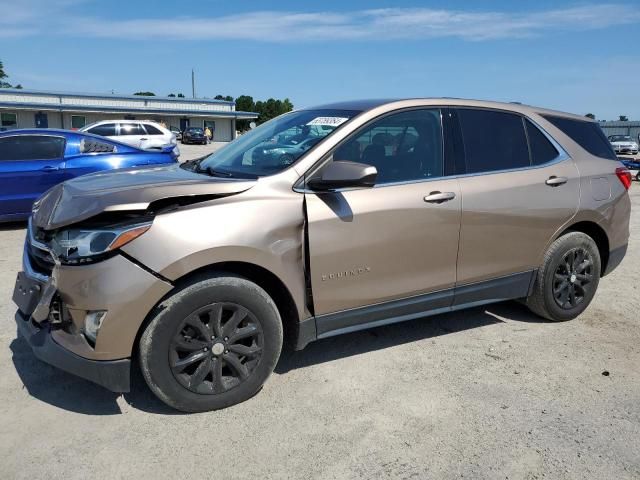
<point>8,121</point>
<point>78,121</point>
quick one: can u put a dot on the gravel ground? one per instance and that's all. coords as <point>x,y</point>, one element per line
<point>487,393</point>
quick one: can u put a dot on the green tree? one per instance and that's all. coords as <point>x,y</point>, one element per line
<point>623,118</point>
<point>172,95</point>
<point>226,98</point>
<point>145,94</point>
<point>180,95</point>
<point>3,75</point>
<point>244,103</point>
<point>272,108</point>
<point>591,116</point>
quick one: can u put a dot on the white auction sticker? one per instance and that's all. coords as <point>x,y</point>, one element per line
<point>328,121</point>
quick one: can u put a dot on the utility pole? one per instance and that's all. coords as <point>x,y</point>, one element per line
<point>193,83</point>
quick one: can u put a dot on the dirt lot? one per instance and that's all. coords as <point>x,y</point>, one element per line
<point>190,152</point>
<point>486,393</point>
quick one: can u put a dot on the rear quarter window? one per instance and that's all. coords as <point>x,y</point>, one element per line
<point>586,134</point>
<point>31,147</point>
<point>151,130</point>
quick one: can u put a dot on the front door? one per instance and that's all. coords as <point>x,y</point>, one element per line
<point>397,240</point>
<point>519,189</point>
<point>184,124</point>
<point>29,166</point>
<point>42,121</point>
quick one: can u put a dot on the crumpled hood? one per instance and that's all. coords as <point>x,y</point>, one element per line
<point>132,189</point>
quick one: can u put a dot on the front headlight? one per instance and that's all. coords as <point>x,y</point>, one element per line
<point>79,245</point>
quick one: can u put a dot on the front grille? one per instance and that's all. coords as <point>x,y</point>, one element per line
<point>40,259</point>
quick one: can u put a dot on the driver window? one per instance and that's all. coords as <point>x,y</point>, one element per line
<point>403,147</point>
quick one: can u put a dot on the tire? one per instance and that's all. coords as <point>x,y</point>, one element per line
<point>638,176</point>
<point>571,264</point>
<point>187,369</point>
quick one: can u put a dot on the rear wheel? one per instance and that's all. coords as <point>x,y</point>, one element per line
<point>212,344</point>
<point>638,176</point>
<point>568,278</point>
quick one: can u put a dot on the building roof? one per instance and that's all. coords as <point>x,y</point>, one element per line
<point>101,103</point>
<point>113,96</point>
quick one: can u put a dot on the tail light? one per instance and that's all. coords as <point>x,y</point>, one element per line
<point>624,175</point>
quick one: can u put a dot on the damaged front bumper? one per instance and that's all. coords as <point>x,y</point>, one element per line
<point>111,374</point>
<point>53,306</point>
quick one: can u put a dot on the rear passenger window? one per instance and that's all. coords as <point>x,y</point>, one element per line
<point>586,134</point>
<point>151,130</point>
<point>542,150</point>
<point>131,129</point>
<point>493,140</point>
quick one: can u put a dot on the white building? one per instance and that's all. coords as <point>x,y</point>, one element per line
<point>39,109</point>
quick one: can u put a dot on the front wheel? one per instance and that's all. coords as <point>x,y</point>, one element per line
<point>568,278</point>
<point>212,344</point>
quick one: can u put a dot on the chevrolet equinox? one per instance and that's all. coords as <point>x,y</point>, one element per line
<point>320,222</point>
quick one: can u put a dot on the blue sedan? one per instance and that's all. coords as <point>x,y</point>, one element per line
<point>32,161</point>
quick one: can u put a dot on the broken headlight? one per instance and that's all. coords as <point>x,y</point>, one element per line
<point>77,246</point>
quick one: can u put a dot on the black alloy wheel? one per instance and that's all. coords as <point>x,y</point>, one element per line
<point>211,343</point>
<point>573,278</point>
<point>216,348</point>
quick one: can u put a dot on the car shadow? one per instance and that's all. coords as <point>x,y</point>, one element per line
<point>396,334</point>
<point>66,391</point>
<point>13,226</point>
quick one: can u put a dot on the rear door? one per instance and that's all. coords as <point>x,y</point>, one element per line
<point>29,165</point>
<point>155,138</point>
<point>518,188</point>
<point>376,245</point>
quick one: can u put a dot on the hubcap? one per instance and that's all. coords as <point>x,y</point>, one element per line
<point>216,348</point>
<point>572,278</point>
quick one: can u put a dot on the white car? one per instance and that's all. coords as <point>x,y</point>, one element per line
<point>137,133</point>
<point>623,144</point>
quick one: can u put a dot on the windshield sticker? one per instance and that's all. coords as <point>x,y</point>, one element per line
<point>328,121</point>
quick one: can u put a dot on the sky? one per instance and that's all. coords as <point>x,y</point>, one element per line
<point>582,57</point>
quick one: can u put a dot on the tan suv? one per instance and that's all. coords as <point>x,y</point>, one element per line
<point>320,222</point>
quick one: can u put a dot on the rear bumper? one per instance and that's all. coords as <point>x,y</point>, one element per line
<point>111,374</point>
<point>615,258</point>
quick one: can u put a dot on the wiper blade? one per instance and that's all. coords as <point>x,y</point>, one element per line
<point>193,164</point>
<point>215,173</point>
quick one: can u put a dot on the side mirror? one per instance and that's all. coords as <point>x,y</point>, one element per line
<point>343,174</point>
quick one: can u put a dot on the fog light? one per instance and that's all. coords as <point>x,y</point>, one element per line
<point>92,324</point>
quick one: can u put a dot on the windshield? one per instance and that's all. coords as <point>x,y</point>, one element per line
<point>194,130</point>
<point>275,145</point>
<point>620,138</point>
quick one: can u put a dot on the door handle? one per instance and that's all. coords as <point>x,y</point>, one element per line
<point>554,181</point>
<point>143,139</point>
<point>439,197</point>
<point>49,168</point>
